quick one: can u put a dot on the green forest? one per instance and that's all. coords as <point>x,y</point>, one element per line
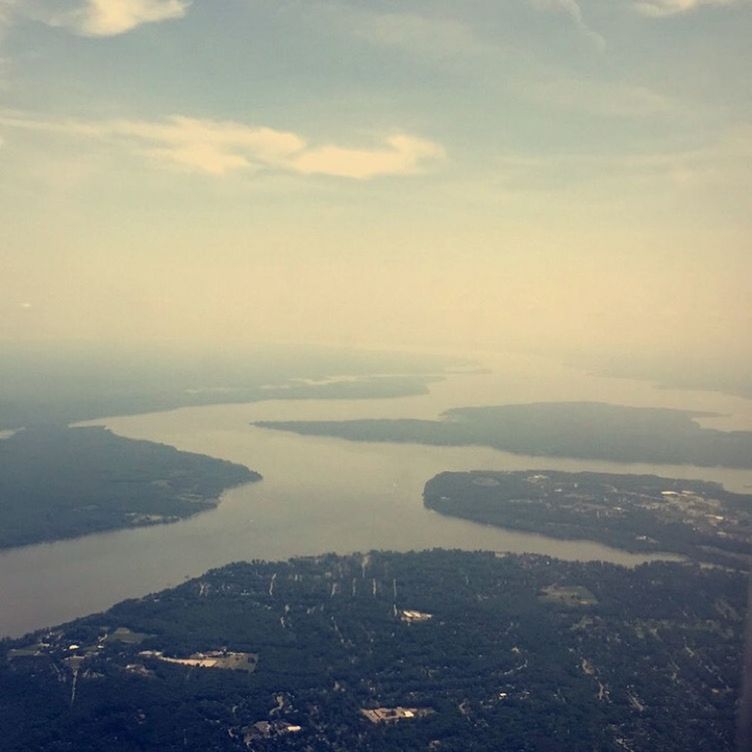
<point>522,653</point>
<point>639,513</point>
<point>58,482</point>
<point>585,430</point>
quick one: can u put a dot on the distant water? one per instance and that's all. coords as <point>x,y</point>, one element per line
<point>321,494</point>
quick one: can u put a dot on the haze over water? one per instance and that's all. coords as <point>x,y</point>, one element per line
<point>321,494</point>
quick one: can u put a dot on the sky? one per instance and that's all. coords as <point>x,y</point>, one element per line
<point>560,175</point>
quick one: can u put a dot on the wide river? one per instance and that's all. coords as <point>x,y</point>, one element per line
<point>321,494</point>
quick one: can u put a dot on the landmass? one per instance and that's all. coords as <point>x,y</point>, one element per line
<point>727,373</point>
<point>639,513</point>
<point>583,430</point>
<point>58,482</point>
<point>87,407</point>
<point>70,385</point>
<point>438,650</point>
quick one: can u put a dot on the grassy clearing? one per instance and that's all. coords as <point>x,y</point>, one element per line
<point>567,595</point>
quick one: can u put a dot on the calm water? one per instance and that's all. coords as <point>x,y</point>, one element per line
<point>322,494</point>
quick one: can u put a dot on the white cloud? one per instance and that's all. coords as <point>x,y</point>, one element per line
<point>223,147</point>
<point>662,8</point>
<point>109,17</point>
<point>214,147</point>
<point>574,11</point>
<point>401,155</point>
<point>103,18</point>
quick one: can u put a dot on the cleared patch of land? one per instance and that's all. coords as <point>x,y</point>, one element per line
<point>568,595</point>
<point>394,715</point>
<point>221,659</point>
<point>125,635</point>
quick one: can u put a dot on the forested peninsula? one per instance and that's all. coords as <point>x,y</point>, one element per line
<point>60,482</point>
<point>638,513</point>
<point>582,430</point>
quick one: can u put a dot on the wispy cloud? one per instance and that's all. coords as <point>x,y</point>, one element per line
<point>213,147</point>
<point>426,35</point>
<point>572,9</point>
<point>510,68</point>
<point>400,155</point>
<point>721,162</point>
<point>616,99</point>
<point>102,18</point>
<point>662,8</point>
<point>417,34</point>
<point>6,17</point>
<point>7,8</point>
<point>223,147</point>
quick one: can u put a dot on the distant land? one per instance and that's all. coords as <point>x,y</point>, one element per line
<point>727,372</point>
<point>44,385</point>
<point>91,406</point>
<point>58,482</point>
<point>582,430</point>
<point>440,650</point>
<point>639,513</point>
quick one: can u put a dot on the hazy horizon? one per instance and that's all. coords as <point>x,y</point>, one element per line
<point>561,177</point>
